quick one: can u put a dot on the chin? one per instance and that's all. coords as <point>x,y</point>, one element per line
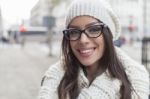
<point>85,63</point>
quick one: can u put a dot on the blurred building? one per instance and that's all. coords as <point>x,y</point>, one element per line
<point>50,14</point>
<point>146,17</point>
<point>1,27</point>
<point>60,16</point>
<point>129,13</point>
<point>42,9</point>
<point>134,16</point>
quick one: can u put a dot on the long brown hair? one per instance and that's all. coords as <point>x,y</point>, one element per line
<point>68,86</point>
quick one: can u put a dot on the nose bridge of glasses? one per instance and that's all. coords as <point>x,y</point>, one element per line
<point>83,36</point>
<point>83,32</point>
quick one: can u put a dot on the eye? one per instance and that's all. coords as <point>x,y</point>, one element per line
<point>74,32</point>
<point>94,29</point>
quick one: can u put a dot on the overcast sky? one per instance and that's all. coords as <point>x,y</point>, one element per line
<point>15,10</point>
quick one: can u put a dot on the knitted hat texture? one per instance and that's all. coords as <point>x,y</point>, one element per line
<point>99,9</point>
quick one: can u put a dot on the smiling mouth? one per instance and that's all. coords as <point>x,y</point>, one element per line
<point>86,52</point>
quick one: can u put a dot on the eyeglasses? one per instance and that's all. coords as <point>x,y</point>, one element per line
<point>93,31</point>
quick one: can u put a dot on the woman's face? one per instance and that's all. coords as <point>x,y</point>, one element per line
<point>87,50</point>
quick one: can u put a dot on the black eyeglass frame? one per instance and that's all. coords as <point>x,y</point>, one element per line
<point>83,31</point>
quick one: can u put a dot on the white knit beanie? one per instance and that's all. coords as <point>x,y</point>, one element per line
<point>99,9</point>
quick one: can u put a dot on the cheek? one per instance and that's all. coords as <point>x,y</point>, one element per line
<point>101,46</point>
<point>102,49</point>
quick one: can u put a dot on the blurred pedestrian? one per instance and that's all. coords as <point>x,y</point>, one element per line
<point>120,41</point>
<point>91,67</point>
<point>5,37</point>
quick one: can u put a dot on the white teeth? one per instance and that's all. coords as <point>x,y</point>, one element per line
<point>86,51</point>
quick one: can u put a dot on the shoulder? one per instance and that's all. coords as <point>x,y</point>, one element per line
<point>130,64</point>
<point>136,72</point>
<point>50,81</point>
<point>55,70</point>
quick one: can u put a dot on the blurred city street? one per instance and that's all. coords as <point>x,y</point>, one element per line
<point>21,69</point>
<point>31,32</point>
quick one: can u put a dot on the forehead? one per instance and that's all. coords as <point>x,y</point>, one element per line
<point>82,21</point>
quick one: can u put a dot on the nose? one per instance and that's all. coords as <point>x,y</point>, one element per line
<point>84,38</point>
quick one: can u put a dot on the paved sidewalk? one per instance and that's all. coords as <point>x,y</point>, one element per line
<point>21,70</point>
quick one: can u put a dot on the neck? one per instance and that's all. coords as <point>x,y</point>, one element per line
<point>93,72</point>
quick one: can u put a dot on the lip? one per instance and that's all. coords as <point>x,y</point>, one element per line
<point>86,52</point>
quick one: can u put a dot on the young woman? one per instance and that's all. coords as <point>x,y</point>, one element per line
<point>91,67</point>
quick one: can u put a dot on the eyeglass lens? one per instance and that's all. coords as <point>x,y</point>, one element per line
<point>92,32</point>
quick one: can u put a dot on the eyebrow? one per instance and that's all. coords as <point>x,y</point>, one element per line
<point>90,24</point>
<point>93,23</point>
<point>73,26</point>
